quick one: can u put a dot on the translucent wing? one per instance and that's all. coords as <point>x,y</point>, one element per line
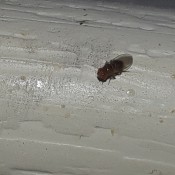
<point>126,59</point>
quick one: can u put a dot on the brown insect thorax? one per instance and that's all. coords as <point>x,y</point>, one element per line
<point>110,70</point>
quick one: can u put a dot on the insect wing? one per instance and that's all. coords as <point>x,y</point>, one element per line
<point>126,59</point>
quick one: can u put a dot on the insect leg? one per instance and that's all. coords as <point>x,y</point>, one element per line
<point>106,63</point>
<point>112,77</point>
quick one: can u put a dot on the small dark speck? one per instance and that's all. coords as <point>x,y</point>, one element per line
<point>23,78</point>
<point>46,149</point>
<point>161,120</point>
<point>155,172</point>
<point>84,9</point>
<point>81,136</point>
<point>173,111</point>
<point>159,44</point>
<point>85,14</point>
<point>112,131</point>
<point>82,22</point>
<point>63,106</point>
<point>23,143</point>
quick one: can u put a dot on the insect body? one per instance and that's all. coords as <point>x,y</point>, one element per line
<point>114,67</point>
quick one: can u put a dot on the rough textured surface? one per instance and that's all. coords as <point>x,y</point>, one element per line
<point>56,118</point>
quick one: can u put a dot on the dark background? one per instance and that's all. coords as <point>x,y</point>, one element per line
<point>152,3</point>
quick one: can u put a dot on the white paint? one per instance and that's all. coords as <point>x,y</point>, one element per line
<point>57,118</point>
